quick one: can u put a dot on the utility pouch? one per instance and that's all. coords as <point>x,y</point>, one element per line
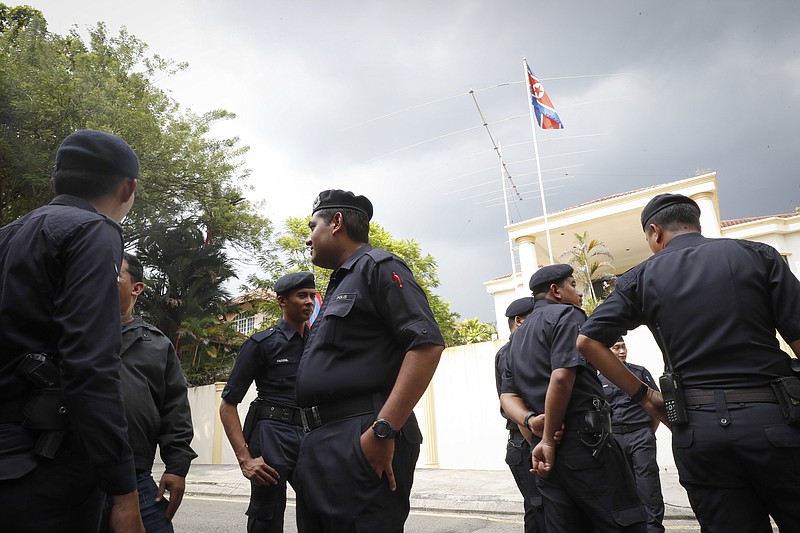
<point>596,422</point>
<point>787,390</point>
<point>45,412</point>
<point>250,421</point>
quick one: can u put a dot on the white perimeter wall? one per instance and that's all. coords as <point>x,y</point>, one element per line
<point>462,425</point>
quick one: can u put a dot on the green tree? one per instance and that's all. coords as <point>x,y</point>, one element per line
<point>52,85</point>
<point>593,265</point>
<point>472,331</point>
<point>290,254</point>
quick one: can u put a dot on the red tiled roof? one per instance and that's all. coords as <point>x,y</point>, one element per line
<point>737,221</point>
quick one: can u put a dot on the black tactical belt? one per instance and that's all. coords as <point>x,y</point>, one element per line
<point>269,410</point>
<point>629,428</point>
<point>319,415</point>
<point>748,395</point>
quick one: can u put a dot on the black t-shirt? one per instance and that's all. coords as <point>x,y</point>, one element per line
<point>543,343</point>
<point>269,358</point>
<point>373,313</point>
<point>718,303</point>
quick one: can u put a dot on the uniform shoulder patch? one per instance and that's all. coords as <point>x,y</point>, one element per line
<point>379,255</point>
<point>261,335</point>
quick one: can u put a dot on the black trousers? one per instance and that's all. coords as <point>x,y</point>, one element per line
<point>518,459</point>
<point>278,444</point>
<point>591,494</point>
<point>639,447</point>
<point>59,495</point>
<point>740,464</point>
<point>338,489</point>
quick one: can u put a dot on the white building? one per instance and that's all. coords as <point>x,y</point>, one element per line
<point>614,220</point>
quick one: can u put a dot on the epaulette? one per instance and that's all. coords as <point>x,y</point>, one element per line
<point>379,255</point>
<point>261,335</point>
<point>152,328</point>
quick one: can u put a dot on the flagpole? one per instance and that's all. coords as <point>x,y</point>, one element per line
<point>508,219</point>
<point>536,151</point>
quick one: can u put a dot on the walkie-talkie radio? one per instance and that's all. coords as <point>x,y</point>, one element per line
<point>671,387</point>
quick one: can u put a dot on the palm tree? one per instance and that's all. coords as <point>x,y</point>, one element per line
<point>591,260</point>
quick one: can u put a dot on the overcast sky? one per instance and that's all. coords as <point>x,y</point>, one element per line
<point>649,92</point>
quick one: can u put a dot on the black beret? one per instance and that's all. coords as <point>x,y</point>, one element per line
<point>519,307</point>
<point>543,277</point>
<point>295,280</point>
<point>97,151</point>
<point>339,199</point>
<point>662,201</point>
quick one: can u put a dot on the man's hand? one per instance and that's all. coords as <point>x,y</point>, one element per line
<point>125,517</point>
<point>259,472</point>
<point>175,485</point>
<point>653,403</point>
<point>543,457</point>
<point>379,454</point>
<point>537,427</point>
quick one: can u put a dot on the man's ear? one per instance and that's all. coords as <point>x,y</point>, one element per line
<point>126,189</point>
<point>137,289</point>
<point>337,222</point>
<point>555,291</point>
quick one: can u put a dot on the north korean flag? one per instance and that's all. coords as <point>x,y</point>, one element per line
<point>545,112</point>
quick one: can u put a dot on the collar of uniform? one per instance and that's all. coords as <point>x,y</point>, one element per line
<point>73,201</point>
<point>684,240</point>
<point>355,256</point>
<point>286,328</point>
<point>543,302</point>
<point>137,322</point>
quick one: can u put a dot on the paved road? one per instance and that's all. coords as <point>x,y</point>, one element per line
<point>212,514</point>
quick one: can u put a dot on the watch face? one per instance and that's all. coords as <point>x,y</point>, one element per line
<point>382,428</point>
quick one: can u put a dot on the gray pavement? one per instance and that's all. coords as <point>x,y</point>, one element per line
<point>469,491</point>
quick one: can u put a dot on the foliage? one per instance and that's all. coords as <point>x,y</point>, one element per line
<point>593,265</point>
<point>190,202</point>
<point>291,255</point>
<point>472,331</point>
<point>52,85</point>
<point>184,297</point>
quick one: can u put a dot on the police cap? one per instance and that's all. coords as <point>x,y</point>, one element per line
<point>339,199</point>
<point>661,202</point>
<point>97,151</point>
<point>295,280</point>
<point>519,307</point>
<point>545,276</point>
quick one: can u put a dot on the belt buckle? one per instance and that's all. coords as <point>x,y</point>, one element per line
<point>315,422</point>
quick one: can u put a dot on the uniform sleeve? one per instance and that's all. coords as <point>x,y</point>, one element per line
<point>404,306</point>
<point>648,378</point>
<point>563,352</point>
<point>87,313</point>
<point>248,365</point>
<point>784,291</point>
<point>176,433</point>
<point>617,315</point>
<point>503,375</point>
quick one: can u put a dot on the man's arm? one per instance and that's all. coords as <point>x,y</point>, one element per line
<point>795,345</point>
<point>559,392</point>
<point>253,468</point>
<point>515,409</point>
<point>415,374</point>
<point>617,373</point>
<point>176,434</point>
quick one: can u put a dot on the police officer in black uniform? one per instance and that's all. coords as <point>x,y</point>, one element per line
<point>518,448</point>
<point>714,306</point>
<point>370,356</point>
<point>585,482</point>
<point>634,428</point>
<point>63,434</point>
<point>267,446</point>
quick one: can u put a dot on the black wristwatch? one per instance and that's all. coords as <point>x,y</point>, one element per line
<point>527,419</point>
<point>640,394</point>
<point>383,429</point>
